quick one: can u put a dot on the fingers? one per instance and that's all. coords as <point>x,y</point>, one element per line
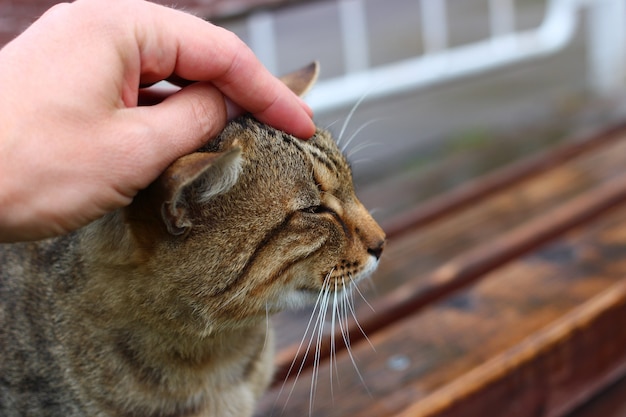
<point>156,94</point>
<point>182,122</point>
<point>173,42</point>
<point>164,43</point>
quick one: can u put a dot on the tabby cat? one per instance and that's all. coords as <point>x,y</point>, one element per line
<point>160,308</point>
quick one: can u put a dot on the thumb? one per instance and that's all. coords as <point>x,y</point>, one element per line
<point>185,120</point>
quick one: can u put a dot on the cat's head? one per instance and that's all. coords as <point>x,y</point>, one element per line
<point>255,221</point>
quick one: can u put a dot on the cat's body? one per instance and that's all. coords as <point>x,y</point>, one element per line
<point>160,308</point>
<point>70,351</point>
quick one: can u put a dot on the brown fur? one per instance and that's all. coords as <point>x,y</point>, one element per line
<point>159,309</point>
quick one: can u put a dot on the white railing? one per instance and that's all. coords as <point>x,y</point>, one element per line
<point>606,38</point>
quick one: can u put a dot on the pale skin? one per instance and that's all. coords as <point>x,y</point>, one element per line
<point>74,144</point>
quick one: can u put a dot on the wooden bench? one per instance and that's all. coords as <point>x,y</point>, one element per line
<point>504,297</point>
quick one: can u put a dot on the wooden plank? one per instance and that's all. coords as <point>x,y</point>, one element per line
<point>534,337</point>
<point>406,280</point>
<point>609,403</point>
<point>503,179</point>
<point>549,373</point>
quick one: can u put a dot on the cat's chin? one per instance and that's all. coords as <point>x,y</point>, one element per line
<point>300,298</point>
<point>306,296</point>
<point>368,270</point>
<point>297,299</point>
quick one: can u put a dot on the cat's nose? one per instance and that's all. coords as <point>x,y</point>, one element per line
<point>376,249</point>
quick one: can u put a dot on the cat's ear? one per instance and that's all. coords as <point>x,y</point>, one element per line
<point>302,80</point>
<point>211,174</point>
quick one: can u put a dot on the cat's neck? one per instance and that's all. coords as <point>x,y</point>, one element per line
<point>126,288</point>
<point>150,369</point>
<point>121,329</point>
<point>181,356</point>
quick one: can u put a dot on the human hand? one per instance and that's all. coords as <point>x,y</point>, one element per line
<point>75,145</point>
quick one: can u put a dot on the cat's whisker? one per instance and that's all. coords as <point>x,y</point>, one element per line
<point>316,307</point>
<point>346,336</point>
<point>360,161</point>
<point>358,290</point>
<point>338,303</point>
<point>267,325</point>
<point>361,147</point>
<point>346,339</point>
<point>344,327</point>
<point>332,342</point>
<point>320,337</point>
<point>356,320</point>
<point>343,324</point>
<point>348,118</point>
<point>345,146</point>
<point>346,307</point>
<point>331,124</point>
<point>340,316</point>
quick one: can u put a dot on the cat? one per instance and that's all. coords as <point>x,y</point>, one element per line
<point>160,308</point>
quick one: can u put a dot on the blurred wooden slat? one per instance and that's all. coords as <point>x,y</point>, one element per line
<point>472,192</point>
<point>608,403</point>
<point>549,373</point>
<point>532,338</point>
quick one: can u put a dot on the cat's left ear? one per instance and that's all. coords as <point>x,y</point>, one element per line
<point>302,80</point>
<point>211,174</point>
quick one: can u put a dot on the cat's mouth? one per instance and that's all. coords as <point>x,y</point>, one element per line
<point>329,286</point>
<point>340,279</point>
<point>347,274</point>
<point>340,282</point>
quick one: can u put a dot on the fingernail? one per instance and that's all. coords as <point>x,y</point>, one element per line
<point>306,107</point>
<point>232,110</point>
<point>308,132</point>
